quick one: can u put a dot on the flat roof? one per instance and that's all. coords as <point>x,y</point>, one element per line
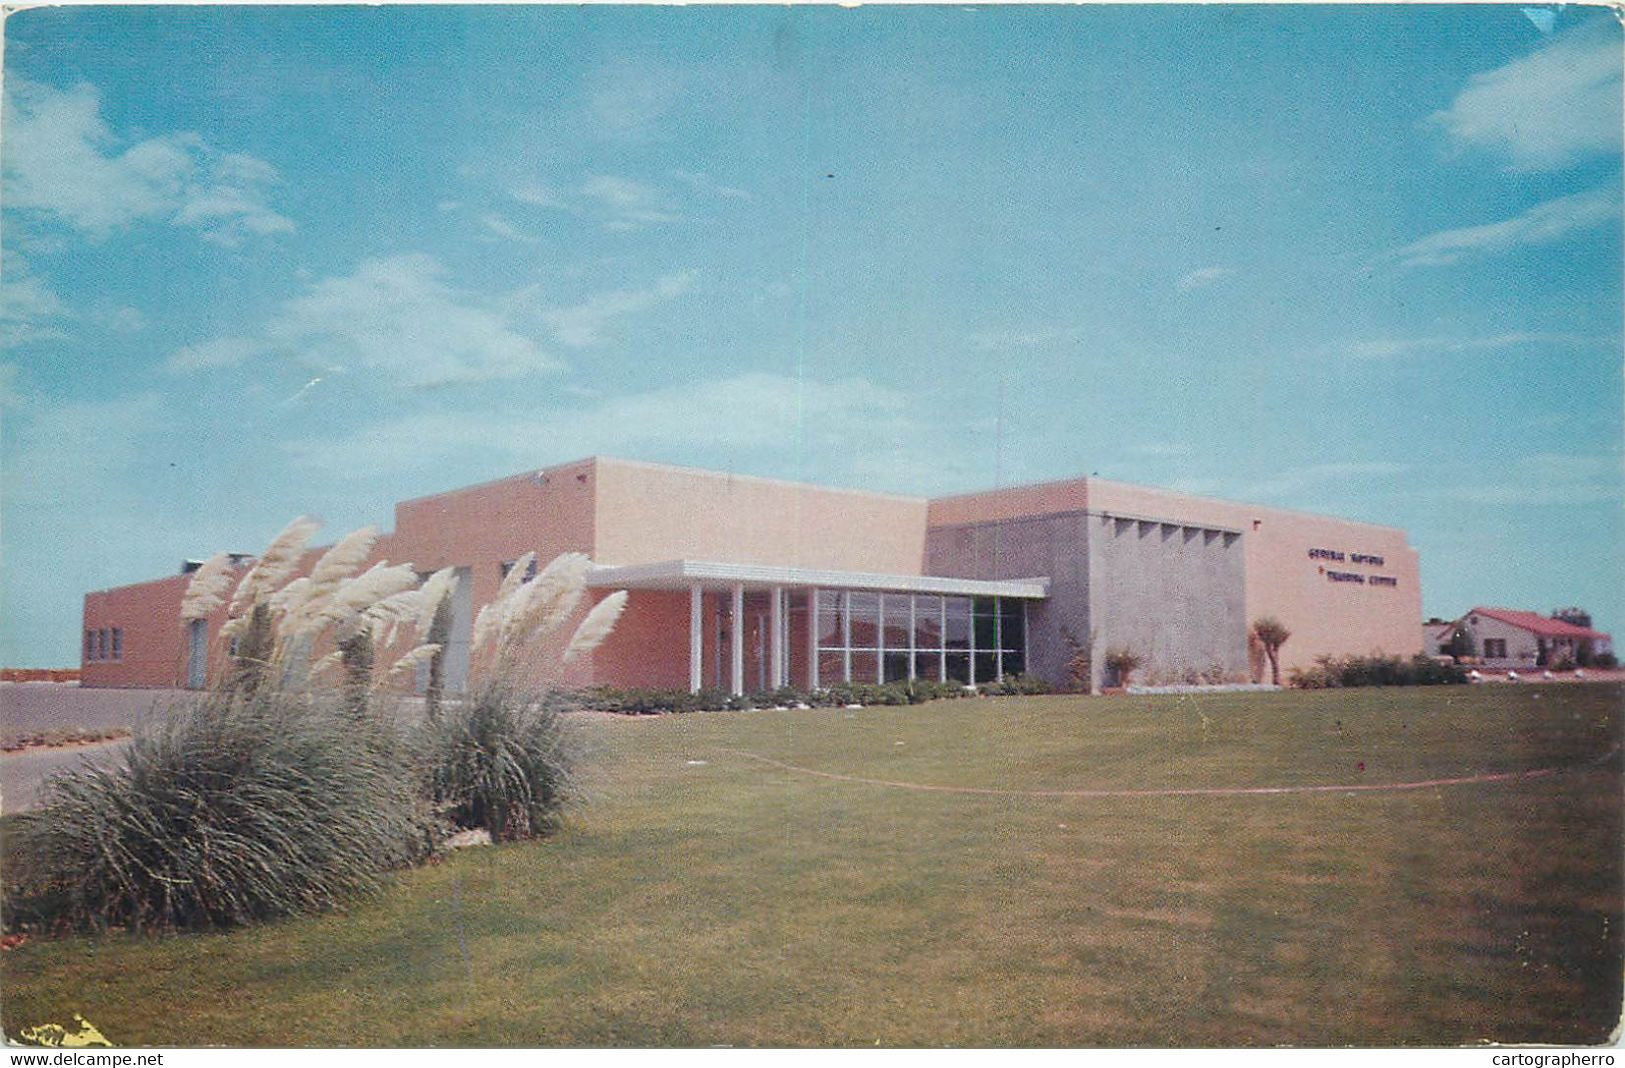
<point>712,574</point>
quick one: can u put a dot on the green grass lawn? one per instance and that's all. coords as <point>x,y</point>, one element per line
<point>736,902</point>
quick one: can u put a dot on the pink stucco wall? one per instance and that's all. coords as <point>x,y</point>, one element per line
<point>155,641</point>
<point>149,615</point>
<point>650,512</point>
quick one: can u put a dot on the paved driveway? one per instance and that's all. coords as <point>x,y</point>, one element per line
<point>27,707</point>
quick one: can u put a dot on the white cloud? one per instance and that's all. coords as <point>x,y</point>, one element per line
<point>992,340</point>
<point>394,316</point>
<point>1547,479</point>
<point>29,308</point>
<point>1543,224</point>
<point>628,204</point>
<point>628,100</point>
<point>1297,481</point>
<point>126,320</point>
<point>1546,110</point>
<point>702,183</point>
<point>62,161</point>
<point>1388,348</point>
<point>538,195</point>
<point>586,324</point>
<point>1202,276</point>
<point>214,354</point>
<point>502,228</point>
<point>1292,485</point>
<point>764,415</point>
<point>73,451</point>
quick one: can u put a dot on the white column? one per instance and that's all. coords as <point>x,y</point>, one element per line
<point>812,638</point>
<point>736,640</point>
<point>776,633</point>
<point>696,638</point>
<point>998,639</point>
<point>880,638</point>
<point>913,635</point>
<point>971,669</point>
<point>846,636</point>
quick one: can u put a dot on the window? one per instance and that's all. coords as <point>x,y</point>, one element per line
<point>90,645</point>
<point>530,571</point>
<point>865,637</point>
<point>1495,648</point>
<point>118,643</point>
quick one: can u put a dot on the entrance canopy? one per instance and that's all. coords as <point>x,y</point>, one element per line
<point>714,575</point>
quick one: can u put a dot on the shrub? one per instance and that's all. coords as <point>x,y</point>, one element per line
<point>1015,685</point>
<point>1331,672</point>
<point>501,760</point>
<point>237,807</point>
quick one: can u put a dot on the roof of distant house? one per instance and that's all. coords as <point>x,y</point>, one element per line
<point>1536,623</point>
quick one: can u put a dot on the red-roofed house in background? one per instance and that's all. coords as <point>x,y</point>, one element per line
<point>1508,638</point>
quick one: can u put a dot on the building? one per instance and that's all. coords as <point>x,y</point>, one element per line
<point>750,583</point>
<point>1508,638</point>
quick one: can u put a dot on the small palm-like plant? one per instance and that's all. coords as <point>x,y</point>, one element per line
<point>1123,662</point>
<point>1270,633</point>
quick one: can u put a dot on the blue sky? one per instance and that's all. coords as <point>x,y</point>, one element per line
<point>259,262</point>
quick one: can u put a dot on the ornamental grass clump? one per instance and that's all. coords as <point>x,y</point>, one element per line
<point>502,760</point>
<point>294,782</point>
<point>238,807</point>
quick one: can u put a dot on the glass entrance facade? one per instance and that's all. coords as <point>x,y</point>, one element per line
<point>888,637</point>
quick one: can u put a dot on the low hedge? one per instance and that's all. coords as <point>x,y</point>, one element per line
<point>646,702</point>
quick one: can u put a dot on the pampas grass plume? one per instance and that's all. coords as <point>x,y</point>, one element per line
<point>207,590</point>
<point>355,595</point>
<point>435,588</point>
<point>343,559</point>
<point>545,602</point>
<point>276,565</point>
<point>596,627</point>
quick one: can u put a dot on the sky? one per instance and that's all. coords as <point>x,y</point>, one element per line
<point>259,262</point>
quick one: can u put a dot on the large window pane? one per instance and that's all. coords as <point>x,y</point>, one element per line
<point>830,669</point>
<point>865,666</point>
<point>928,623</point>
<point>987,667</point>
<point>958,632</point>
<point>865,621</point>
<point>896,666</point>
<point>1012,633</point>
<point>987,635</point>
<point>829,619</point>
<point>959,667</point>
<point>928,665</point>
<point>896,627</point>
<point>1015,662</point>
